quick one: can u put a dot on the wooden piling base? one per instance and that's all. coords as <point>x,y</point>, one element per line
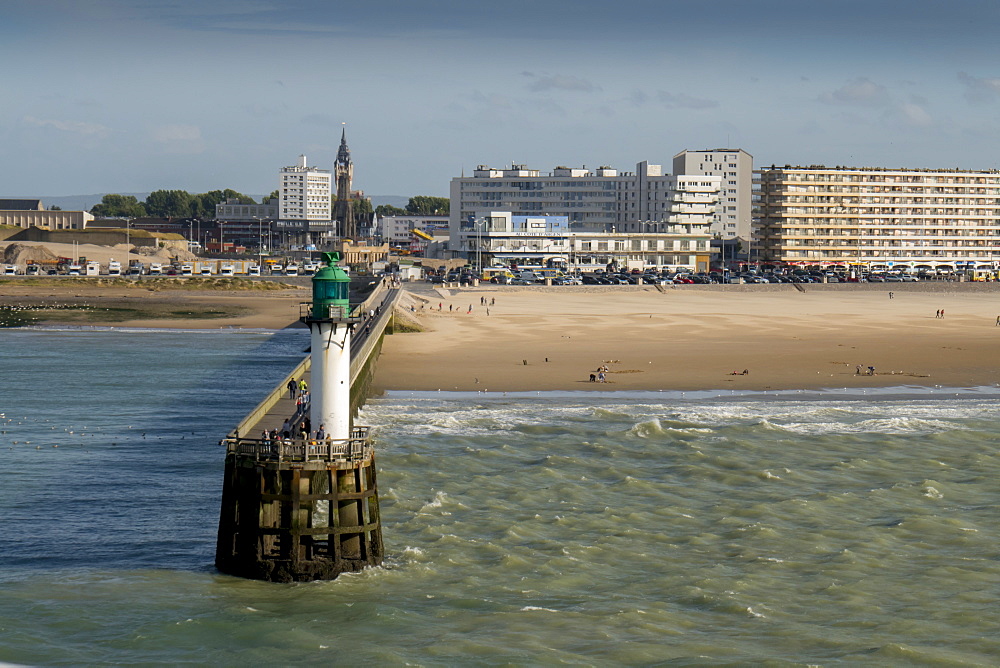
<point>297,521</point>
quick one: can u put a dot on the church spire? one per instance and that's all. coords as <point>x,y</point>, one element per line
<point>343,211</point>
<point>344,154</point>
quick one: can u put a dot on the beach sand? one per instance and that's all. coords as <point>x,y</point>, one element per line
<point>691,339</point>
<point>688,338</point>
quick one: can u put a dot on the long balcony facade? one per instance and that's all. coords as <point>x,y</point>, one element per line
<point>880,218</point>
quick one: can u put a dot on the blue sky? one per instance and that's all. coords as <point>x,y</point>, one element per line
<point>136,95</point>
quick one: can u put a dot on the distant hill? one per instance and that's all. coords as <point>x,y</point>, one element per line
<point>87,202</point>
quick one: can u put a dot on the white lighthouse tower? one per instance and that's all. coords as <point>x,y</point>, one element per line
<point>330,324</point>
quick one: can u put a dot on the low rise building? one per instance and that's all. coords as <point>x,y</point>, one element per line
<point>500,238</point>
<point>32,213</point>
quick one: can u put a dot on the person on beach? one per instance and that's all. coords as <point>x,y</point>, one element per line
<point>857,370</point>
<point>890,295</point>
<point>998,321</point>
<point>493,301</point>
<point>601,377</point>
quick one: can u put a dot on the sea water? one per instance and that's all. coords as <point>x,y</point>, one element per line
<point>529,529</point>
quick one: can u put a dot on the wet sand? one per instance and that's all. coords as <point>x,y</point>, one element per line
<point>153,303</point>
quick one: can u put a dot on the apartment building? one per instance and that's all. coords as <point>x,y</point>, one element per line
<point>304,194</point>
<point>880,219</point>
<point>734,166</point>
<point>604,199</point>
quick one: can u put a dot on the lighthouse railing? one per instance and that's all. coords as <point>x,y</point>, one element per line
<point>357,448</point>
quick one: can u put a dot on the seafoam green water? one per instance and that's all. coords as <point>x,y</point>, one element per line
<point>534,529</point>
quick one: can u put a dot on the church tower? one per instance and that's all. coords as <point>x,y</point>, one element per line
<point>343,212</point>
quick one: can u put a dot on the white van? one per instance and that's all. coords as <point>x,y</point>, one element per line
<point>187,270</point>
<point>114,268</point>
<point>291,269</point>
<point>254,270</point>
<point>227,270</point>
<point>206,270</point>
<point>155,269</point>
<point>93,268</point>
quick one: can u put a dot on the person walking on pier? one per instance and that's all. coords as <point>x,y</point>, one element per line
<point>286,429</point>
<point>302,385</point>
<point>291,388</point>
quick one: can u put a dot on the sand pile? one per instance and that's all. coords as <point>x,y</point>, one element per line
<point>22,254</point>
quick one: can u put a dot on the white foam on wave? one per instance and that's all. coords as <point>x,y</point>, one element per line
<point>932,493</point>
<point>436,502</point>
<point>531,608</point>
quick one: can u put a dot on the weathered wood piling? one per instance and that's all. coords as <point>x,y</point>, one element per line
<point>299,510</point>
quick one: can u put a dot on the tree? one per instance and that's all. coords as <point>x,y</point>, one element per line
<point>170,204</point>
<point>384,210</point>
<point>274,195</point>
<point>362,209</point>
<point>423,205</point>
<point>55,207</point>
<point>203,205</point>
<point>119,206</point>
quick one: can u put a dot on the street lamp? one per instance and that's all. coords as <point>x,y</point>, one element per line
<point>479,246</point>
<point>127,242</point>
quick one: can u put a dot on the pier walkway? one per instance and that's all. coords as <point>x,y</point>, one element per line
<point>279,406</point>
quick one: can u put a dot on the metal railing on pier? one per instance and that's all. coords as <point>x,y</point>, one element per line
<point>354,449</point>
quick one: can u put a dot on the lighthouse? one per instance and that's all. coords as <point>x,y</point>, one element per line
<point>330,323</point>
<point>297,509</point>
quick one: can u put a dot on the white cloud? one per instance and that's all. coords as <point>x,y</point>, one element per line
<point>914,114</point>
<point>77,127</point>
<point>979,90</point>
<point>860,92</point>
<point>182,139</point>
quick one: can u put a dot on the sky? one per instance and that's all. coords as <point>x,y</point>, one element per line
<point>140,95</point>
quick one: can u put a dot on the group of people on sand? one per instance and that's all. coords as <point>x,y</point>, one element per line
<point>600,375</point>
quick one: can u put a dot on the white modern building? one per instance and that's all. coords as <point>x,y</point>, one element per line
<point>304,194</point>
<point>503,239</point>
<point>734,166</point>
<point>603,199</point>
<point>399,230</point>
<point>880,219</point>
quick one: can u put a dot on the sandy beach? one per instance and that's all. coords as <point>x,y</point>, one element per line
<point>691,339</point>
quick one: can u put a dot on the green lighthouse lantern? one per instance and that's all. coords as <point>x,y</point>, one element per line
<point>331,290</point>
